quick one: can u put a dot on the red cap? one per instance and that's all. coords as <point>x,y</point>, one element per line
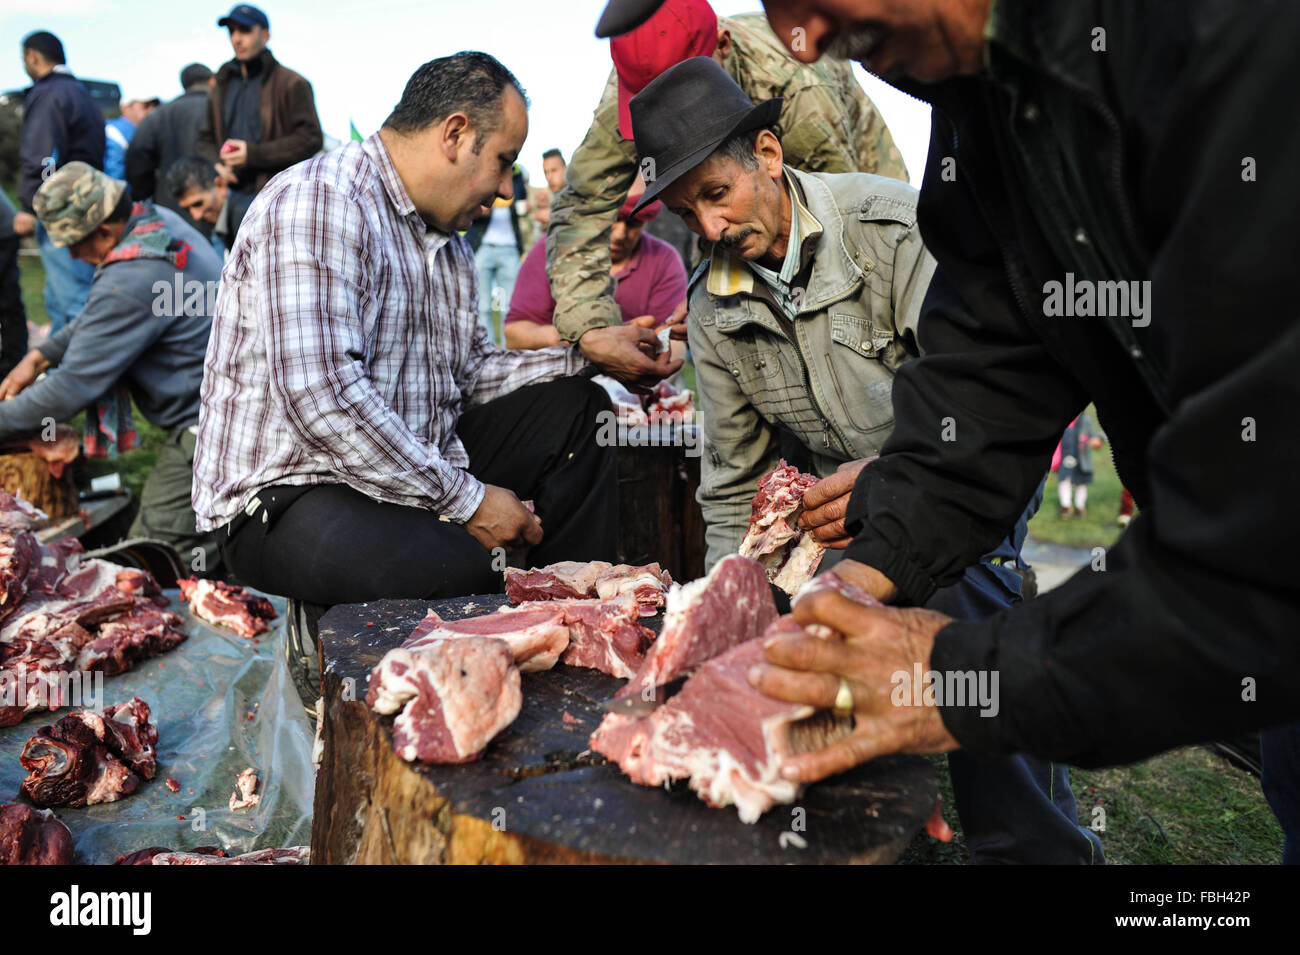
<point>680,30</point>
<point>628,212</point>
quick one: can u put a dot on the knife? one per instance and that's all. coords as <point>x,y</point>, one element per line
<point>644,703</point>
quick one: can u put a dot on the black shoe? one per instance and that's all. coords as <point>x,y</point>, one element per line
<point>300,650</point>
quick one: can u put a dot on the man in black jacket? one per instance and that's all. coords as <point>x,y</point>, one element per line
<point>61,124</point>
<point>1112,206</point>
<point>167,134</point>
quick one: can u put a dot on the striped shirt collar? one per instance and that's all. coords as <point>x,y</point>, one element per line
<point>731,275</point>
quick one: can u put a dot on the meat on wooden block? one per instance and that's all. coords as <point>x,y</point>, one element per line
<point>451,696</point>
<point>211,855</point>
<point>227,605</point>
<point>705,617</point>
<point>648,584</point>
<point>33,837</point>
<point>536,635</point>
<point>603,635</point>
<point>567,579</point>
<point>722,735</point>
<point>87,758</point>
<point>789,555</point>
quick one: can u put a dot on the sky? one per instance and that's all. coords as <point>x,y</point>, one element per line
<point>359,56</point>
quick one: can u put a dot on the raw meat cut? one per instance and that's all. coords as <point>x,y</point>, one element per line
<point>227,605</point>
<point>604,635</point>
<point>72,616</point>
<point>565,580</point>
<point>454,694</point>
<point>125,640</point>
<point>33,837</point>
<point>19,515</point>
<point>536,636</point>
<point>245,795</point>
<point>59,453</point>
<point>211,855</point>
<point>705,617</point>
<point>789,555</point>
<point>722,735</point>
<point>831,581</point>
<point>670,406</point>
<point>648,583</point>
<point>87,758</point>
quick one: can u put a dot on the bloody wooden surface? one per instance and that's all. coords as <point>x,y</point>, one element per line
<point>659,519</point>
<point>25,474</point>
<point>538,795</point>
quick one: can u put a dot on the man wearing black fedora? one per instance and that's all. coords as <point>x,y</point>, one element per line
<point>807,305</point>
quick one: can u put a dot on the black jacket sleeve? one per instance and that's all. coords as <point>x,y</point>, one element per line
<point>143,156</point>
<point>45,134</point>
<point>1186,630</point>
<point>976,416</point>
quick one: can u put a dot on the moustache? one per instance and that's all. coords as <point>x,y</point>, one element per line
<point>731,241</point>
<point>857,43</point>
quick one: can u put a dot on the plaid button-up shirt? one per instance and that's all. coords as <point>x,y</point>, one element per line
<point>345,345</point>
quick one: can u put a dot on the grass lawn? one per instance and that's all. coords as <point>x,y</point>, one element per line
<point>1097,527</point>
<point>1184,807</point>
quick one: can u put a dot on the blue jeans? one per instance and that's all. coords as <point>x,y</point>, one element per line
<point>67,281</point>
<point>1279,751</point>
<point>498,265</point>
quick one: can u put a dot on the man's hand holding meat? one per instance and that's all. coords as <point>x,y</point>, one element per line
<point>825,503</point>
<point>866,648</point>
<point>25,373</point>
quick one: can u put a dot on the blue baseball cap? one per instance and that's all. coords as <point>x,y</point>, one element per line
<point>246,15</point>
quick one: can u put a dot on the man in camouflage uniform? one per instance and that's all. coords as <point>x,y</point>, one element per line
<point>827,125</point>
<point>145,328</point>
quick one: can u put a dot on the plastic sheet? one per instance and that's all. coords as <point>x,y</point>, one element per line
<point>201,695</point>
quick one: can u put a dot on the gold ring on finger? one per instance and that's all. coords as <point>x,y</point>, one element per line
<point>844,699</point>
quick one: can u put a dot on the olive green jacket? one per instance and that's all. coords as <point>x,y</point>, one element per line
<point>826,376</point>
<point>827,125</point>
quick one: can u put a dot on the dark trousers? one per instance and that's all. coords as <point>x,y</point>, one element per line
<point>13,318</point>
<point>329,544</point>
<point>1279,754</point>
<point>166,513</point>
<point>1013,809</point>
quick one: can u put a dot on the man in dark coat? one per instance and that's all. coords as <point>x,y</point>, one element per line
<point>167,134</point>
<point>61,124</point>
<point>1112,212</point>
<point>261,115</point>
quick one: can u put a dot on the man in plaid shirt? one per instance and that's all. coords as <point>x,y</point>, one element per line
<point>360,437</point>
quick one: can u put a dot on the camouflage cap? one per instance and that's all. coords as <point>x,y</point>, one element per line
<point>75,201</point>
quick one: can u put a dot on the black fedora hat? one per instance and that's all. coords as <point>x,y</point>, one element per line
<point>684,114</point>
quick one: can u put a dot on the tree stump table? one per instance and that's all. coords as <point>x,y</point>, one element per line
<point>538,795</point>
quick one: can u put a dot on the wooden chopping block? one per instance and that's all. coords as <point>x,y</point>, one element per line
<point>537,795</point>
<point>25,474</point>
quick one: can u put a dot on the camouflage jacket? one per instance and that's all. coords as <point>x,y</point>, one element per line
<point>827,125</point>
